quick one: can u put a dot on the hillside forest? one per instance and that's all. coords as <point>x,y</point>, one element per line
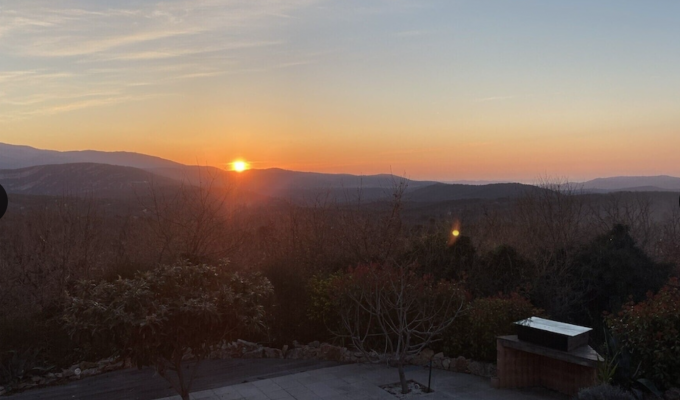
<point>598,260</point>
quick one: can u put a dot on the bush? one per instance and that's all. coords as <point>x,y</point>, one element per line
<point>474,334</point>
<point>15,366</point>
<point>603,392</point>
<point>612,269</point>
<point>159,315</point>
<point>294,292</point>
<point>32,343</point>
<point>502,270</point>
<point>650,332</point>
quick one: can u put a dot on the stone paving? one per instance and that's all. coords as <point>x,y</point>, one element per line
<point>362,382</point>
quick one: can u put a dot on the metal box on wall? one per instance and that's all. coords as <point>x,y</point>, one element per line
<point>552,334</point>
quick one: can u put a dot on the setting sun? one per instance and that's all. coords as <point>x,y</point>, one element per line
<point>239,166</point>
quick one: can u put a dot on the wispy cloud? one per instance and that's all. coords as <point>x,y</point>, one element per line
<point>103,54</point>
<point>412,33</point>
<point>494,98</point>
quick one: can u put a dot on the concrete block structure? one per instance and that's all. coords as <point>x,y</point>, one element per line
<point>523,364</point>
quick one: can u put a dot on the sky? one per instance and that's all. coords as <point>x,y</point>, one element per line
<point>431,89</point>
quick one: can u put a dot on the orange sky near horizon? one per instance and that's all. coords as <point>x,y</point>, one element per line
<point>429,89</point>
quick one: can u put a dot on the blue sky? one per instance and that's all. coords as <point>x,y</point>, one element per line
<point>436,89</point>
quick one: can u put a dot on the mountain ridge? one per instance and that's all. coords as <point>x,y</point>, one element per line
<point>297,185</point>
<point>21,156</point>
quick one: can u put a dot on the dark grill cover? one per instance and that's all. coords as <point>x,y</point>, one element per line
<point>552,334</point>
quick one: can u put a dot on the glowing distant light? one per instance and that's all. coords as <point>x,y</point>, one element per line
<point>239,166</point>
<point>455,232</point>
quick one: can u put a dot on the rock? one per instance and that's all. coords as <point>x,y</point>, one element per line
<point>427,354</point>
<point>309,352</point>
<point>36,379</point>
<point>284,350</point>
<point>331,353</point>
<point>446,363</point>
<point>460,364</point>
<point>492,370</point>
<point>246,347</point>
<point>87,365</point>
<point>25,385</point>
<point>106,362</point>
<point>113,366</point>
<point>272,353</point>
<point>476,368</point>
<point>90,372</point>
<point>438,355</point>
<point>294,354</point>
<point>424,357</point>
<point>296,344</point>
<point>346,355</point>
<point>315,344</point>
<point>188,355</point>
<point>437,363</point>
<point>672,394</point>
<point>257,353</point>
<point>486,370</point>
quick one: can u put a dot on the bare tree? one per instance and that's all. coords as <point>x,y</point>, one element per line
<point>55,244</point>
<point>374,231</point>
<point>633,210</point>
<point>394,310</point>
<point>194,222</point>
<point>552,219</point>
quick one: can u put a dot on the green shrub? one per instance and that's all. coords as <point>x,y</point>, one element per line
<point>612,269</point>
<point>292,302</point>
<point>502,270</point>
<point>474,334</point>
<point>15,366</point>
<point>650,332</point>
<point>603,392</point>
<point>159,315</point>
<point>33,342</point>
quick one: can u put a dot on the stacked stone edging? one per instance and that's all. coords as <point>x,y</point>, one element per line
<point>328,352</point>
<point>244,349</point>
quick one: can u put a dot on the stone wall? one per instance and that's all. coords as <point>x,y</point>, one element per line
<point>244,349</point>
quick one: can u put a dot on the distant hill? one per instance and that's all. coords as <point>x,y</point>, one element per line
<point>293,185</point>
<point>659,183</point>
<point>13,156</point>
<point>442,192</point>
<point>113,181</point>
<point>98,180</point>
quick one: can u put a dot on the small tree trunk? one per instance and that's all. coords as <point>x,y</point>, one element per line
<point>183,387</point>
<point>402,378</point>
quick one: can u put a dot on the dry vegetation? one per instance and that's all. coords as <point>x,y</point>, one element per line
<point>539,248</point>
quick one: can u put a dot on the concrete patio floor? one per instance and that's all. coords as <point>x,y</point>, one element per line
<point>264,379</point>
<point>362,382</point>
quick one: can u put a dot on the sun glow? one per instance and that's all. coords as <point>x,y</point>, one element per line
<point>455,232</point>
<point>239,166</point>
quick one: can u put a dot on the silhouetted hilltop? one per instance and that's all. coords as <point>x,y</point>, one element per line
<point>293,185</point>
<point>98,180</point>
<point>633,184</point>
<point>13,156</point>
<point>442,192</point>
